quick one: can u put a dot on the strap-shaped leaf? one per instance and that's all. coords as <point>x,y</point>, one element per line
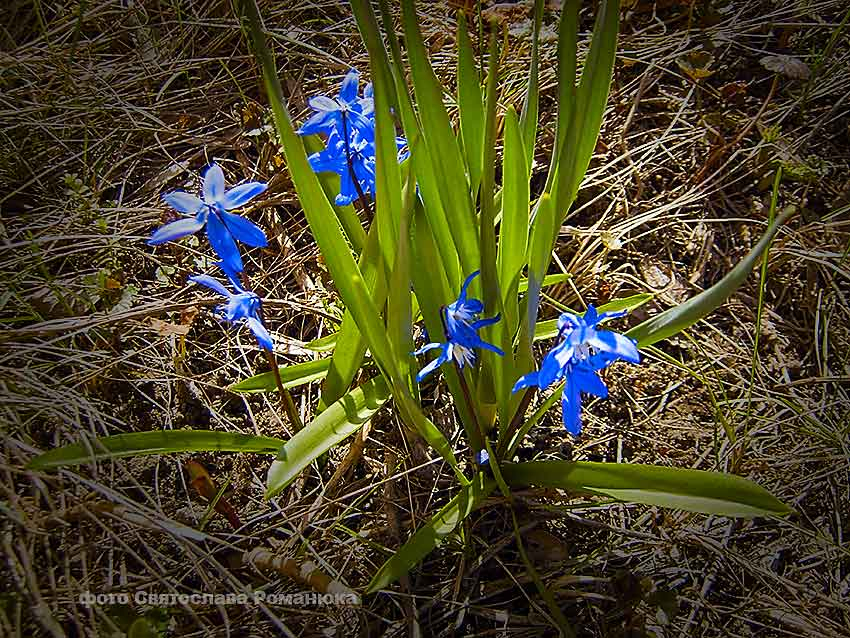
<point>339,421</point>
<point>528,117</point>
<point>688,313</point>
<point>443,150</point>
<point>470,105</point>
<point>156,442</point>
<point>291,376</point>
<point>432,533</point>
<point>687,489</point>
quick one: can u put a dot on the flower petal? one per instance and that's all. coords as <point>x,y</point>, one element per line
<point>526,381</point>
<point>571,409</point>
<point>244,229</point>
<point>213,183</point>
<point>436,363</point>
<point>184,202</point>
<point>242,194</point>
<point>586,380</point>
<point>260,332</point>
<point>222,243</point>
<point>321,122</point>
<point>175,230</point>
<point>213,284</point>
<point>348,90</point>
<point>462,297</point>
<point>615,343</point>
<point>426,348</point>
<point>323,103</point>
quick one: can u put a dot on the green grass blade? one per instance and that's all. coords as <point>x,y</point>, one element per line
<point>528,117</point>
<point>430,535</point>
<point>291,376</point>
<point>156,442</point>
<point>470,105</point>
<point>688,313</point>
<point>567,47</point>
<point>338,421</point>
<point>543,229</point>
<point>590,99</point>
<point>323,344</point>
<point>513,231</point>
<point>687,489</point>
<point>443,150</point>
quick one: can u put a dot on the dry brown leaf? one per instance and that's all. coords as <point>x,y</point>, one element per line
<point>787,65</point>
<point>166,329</point>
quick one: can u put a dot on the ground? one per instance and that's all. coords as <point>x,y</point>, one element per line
<point>106,106</point>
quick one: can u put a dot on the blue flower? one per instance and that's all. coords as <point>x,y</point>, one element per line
<point>347,112</point>
<point>223,228</point>
<point>348,122</point>
<point>461,329</point>
<point>243,306</point>
<point>581,352</point>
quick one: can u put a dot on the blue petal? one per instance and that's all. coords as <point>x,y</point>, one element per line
<point>526,381</point>
<point>586,380</point>
<point>231,275</point>
<point>436,363</point>
<point>615,343</point>
<point>213,183</point>
<point>426,348</point>
<point>483,323</point>
<point>213,284</point>
<point>462,297</point>
<point>571,409</point>
<point>605,316</point>
<point>175,230</point>
<point>241,195</point>
<point>590,316</point>
<point>244,230</point>
<point>323,103</point>
<point>260,332</point>
<point>184,202</point>
<point>348,90</point>
<point>222,243</point>
<point>551,370</point>
<point>321,122</point>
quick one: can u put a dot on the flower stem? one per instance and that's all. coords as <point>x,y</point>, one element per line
<point>286,397</point>
<point>513,426</point>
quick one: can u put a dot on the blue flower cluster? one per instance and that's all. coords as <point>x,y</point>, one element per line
<point>224,229</point>
<point>581,352</point>
<point>348,122</point>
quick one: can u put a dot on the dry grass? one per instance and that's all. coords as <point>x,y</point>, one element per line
<point>105,107</point>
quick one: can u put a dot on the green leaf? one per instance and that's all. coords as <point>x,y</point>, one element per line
<point>156,442</point>
<point>442,148</point>
<point>470,105</point>
<point>528,118</point>
<point>291,376</point>
<point>323,344</point>
<point>430,535</point>
<point>548,329</point>
<point>688,313</point>
<point>687,489</point>
<point>543,228</point>
<point>590,98</point>
<point>337,422</point>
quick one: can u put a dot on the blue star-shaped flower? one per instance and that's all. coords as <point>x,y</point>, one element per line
<point>346,112</point>
<point>243,306</point>
<point>461,328</point>
<point>581,352</point>
<point>223,228</point>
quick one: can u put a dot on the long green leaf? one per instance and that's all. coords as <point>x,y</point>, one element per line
<point>470,105</point>
<point>443,150</point>
<point>687,489</point>
<point>528,117</point>
<point>156,442</point>
<point>432,533</point>
<point>543,228</point>
<point>688,313</point>
<point>339,421</point>
<point>291,376</point>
